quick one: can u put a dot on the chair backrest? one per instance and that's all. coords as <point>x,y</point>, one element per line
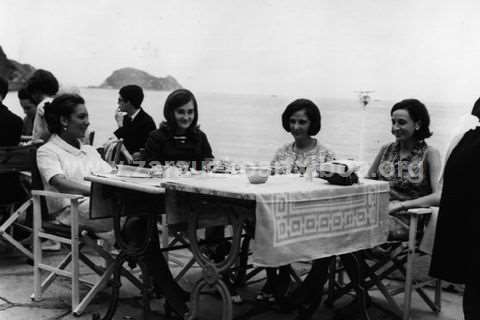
<point>115,152</point>
<point>22,158</point>
<point>112,151</point>
<point>18,158</point>
<point>91,137</point>
<point>37,184</point>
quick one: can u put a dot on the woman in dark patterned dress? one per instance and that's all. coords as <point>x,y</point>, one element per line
<point>409,164</point>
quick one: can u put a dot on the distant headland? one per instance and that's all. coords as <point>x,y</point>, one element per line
<point>125,76</point>
<point>15,72</point>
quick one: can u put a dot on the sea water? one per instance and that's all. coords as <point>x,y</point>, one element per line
<point>244,127</point>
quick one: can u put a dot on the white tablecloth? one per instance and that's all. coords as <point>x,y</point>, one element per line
<point>301,220</point>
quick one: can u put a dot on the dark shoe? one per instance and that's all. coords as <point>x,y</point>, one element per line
<point>307,310</point>
<point>171,313</point>
<point>265,297</point>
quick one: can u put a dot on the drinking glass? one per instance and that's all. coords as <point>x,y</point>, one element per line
<point>208,166</point>
<point>302,167</point>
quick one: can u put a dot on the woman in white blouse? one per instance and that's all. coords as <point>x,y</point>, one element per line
<point>64,160</point>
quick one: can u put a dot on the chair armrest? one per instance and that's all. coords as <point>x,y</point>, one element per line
<point>419,211</point>
<point>52,194</point>
<point>128,156</point>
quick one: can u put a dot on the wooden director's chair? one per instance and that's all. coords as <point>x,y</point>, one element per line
<point>400,258</point>
<point>16,160</point>
<point>76,239</point>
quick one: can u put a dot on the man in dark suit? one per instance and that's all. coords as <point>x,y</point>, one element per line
<point>134,124</point>
<point>10,124</point>
<point>10,132</point>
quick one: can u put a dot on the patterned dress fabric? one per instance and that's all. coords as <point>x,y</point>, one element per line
<point>409,177</point>
<point>290,161</point>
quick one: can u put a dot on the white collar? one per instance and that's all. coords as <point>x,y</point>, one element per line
<point>62,144</point>
<point>135,114</point>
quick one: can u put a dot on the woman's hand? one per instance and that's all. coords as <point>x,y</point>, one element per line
<point>65,185</point>
<point>395,206</point>
<point>137,156</point>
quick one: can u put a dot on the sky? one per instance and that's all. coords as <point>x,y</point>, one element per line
<point>427,49</point>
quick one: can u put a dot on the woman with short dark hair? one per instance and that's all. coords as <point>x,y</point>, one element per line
<point>303,120</point>
<point>311,110</point>
<point>409,164</point>
<point>179,138</point>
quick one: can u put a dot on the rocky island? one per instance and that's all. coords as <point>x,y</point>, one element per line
<point>125,76</point>
<point>16,73</point>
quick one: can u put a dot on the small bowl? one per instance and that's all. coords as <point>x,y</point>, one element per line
<point>257,175</point>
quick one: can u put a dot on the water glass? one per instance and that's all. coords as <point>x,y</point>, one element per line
<point>157,171</point>
<point>208,166</point>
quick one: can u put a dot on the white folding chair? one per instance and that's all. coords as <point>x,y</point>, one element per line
<point>402,259</point>
<point>399,258</point>
<point>114,151</point>
<point>76,239</point>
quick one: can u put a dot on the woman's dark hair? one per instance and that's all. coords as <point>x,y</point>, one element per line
<point>42,81</point>
<point>311,110</point>
<point>176,99</point>
<point>419,113</point>
<point>62,106</point>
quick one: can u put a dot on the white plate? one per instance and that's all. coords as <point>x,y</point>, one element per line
<point>133,175</point>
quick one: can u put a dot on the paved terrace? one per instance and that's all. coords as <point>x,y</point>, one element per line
<point>16,283</point>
